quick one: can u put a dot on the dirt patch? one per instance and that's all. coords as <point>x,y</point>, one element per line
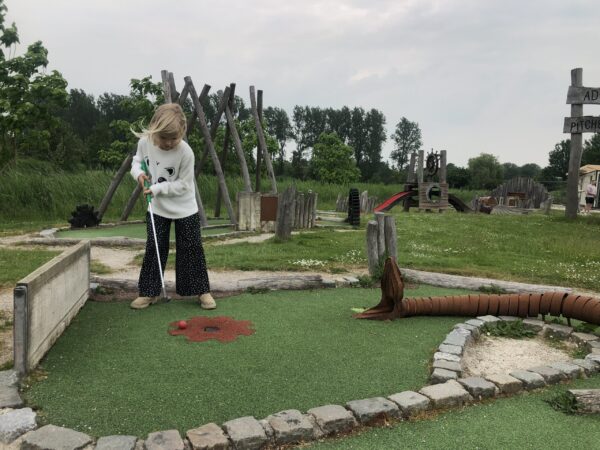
<point>503,355</point>
<point>222,329</point>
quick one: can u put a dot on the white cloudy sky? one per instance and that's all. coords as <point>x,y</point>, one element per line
<point>477,75</point>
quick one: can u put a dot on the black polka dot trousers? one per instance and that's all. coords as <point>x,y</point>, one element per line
<point>191,277</point>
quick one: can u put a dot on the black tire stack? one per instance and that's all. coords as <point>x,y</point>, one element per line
<point>354,207</point>
<point>84,216</point>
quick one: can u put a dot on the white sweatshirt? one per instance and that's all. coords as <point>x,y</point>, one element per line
<point>172,177</point>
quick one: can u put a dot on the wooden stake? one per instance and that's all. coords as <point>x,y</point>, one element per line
<point>259,105</point>
<point>208,141</point>
<point>391,238</point>
<point>261,141</point>
<point>286,206</point>
<point>380,219</point>
<point>572,207</point>
<point>114,184</point>
<point>372,256</point>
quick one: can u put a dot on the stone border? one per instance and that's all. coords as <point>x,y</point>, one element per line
<point>289,427</point>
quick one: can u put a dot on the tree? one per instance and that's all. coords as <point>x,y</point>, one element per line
<point>278,125</point>
<point>485,171</point>
<point>332,161</point>
<point>375,137</point>
<point>457,177</point>
<point>530,170</point>
<point>591,151</point>
<point>511,170</point>
<point>407,139</point>
<point>29,99</point>
<point>558,161</point>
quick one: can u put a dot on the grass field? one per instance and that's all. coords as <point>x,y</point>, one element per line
<point>117,371</point>
<point>16,264</point>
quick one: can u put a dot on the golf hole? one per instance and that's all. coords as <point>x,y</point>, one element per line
<point>211,329</point>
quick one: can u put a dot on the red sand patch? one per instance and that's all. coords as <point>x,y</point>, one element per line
<point>223,329</point>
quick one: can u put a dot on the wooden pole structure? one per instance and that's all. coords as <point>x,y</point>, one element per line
<point>191,121</point>
<point>572,206</point>
<point>237,143</point>
<point>421,160</point>
<point>114,184</point>
<point>380,219</point>
<point>164,74</point>
<point>259,105</point>
<point>391,239</point>
<point>261,141</point>
<point>223,159</point>
<point>372,256</point>
<point>213,154</point>
<point>214,126</point>
<point>286,207</point>
<point>442,171</point>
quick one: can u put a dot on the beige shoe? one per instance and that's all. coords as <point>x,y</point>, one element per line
<point>143,302</point>
<point>207,301</point>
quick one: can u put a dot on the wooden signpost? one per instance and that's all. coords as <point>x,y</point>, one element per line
<point>577,124</point>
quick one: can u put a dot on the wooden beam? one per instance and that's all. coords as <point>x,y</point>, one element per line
<point>583,124</point>
<point>213,154</point>
<point>237,144</point>
<point>580,95</point>
<point>172,88</point>
<point>192,118</point>
<point>261,141</point>
<point>164,74</point>
<point>572,207</point>
<point>259,104</point>
<point>114,184</point>
<point>223,159</point>
<point>214,127</point>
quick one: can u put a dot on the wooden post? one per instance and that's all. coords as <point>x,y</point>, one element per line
<point>410,176</point>
<point>442,171</point>
<point>314,210</point>
<point>223,160</point>
<point>213,154</point>
<point>164,74</point>
<point>390,237</point>
<point>420,166</point>
<point>114,184</point>
<point>237,143</point>
<point>172,89</point>
<point>259,105</point>
<point>380,219</point>
<point>21,330</point>
<point>261,141</point>
<point>214,127</point>
<point>572,206</point>
<point>372,256</point>
<point>286,206</point>
<point>300,207</point>
<point>192,119</point>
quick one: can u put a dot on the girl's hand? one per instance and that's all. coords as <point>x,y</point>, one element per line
<point>142,179</point>
<point>148,192</point>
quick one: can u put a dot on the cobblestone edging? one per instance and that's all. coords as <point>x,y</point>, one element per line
<point>448,389</point>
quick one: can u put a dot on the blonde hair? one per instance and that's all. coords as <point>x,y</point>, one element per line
<point>168,121</point>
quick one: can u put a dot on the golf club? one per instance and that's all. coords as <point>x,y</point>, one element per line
<point>164,297</point>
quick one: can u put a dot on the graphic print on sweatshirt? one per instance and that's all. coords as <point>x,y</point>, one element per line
<point>164,174</point>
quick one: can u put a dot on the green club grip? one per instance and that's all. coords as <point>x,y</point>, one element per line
<point>146,182</point>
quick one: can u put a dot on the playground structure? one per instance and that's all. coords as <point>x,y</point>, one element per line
<point>426,186</point>
<point>226,108</point>
<point>393,305</point>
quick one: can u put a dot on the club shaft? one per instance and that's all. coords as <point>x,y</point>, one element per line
<point>162,279</point>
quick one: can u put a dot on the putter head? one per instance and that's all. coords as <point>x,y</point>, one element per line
<point>164,298</point>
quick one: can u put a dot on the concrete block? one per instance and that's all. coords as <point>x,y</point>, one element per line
<point>446,395</point>
<point>550,374</point>
<point>466,329</point>
<point>290,427</point>
<point>333,418</point>
<point>116,443</point>
<point>16,422</point>
<point>587,366</point>
<point>533,324</point>
<point>448,365</point>
<point>488,319</point>
<point>442,375</point>
<point>208,437</point>
<point>164,440</point>
<point>530,380</point>
<point>53,437</point>
<point>410,402</point>
<point>246,433</point>
<point>456,338</point>
<point>584,338</point>
<point>505,383</point>
<point>369,409</point>
<point>567,368</point>
<point>479,387</point>
<point>477,323</point>
<point>9,397</point>
<point>446,357</point>
<point>452,349</point>
<point>9,378</point>
<point>557,331</point>
<point>508,318</point>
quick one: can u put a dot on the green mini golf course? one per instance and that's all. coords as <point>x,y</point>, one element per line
<point>118,371</point>
<point>134,230</point>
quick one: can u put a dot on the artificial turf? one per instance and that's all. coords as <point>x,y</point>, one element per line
<point>525,421</point>
<point>118,371</point>
<point>134,230</point>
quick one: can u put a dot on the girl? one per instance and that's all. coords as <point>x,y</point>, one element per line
<point>170,162</point>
